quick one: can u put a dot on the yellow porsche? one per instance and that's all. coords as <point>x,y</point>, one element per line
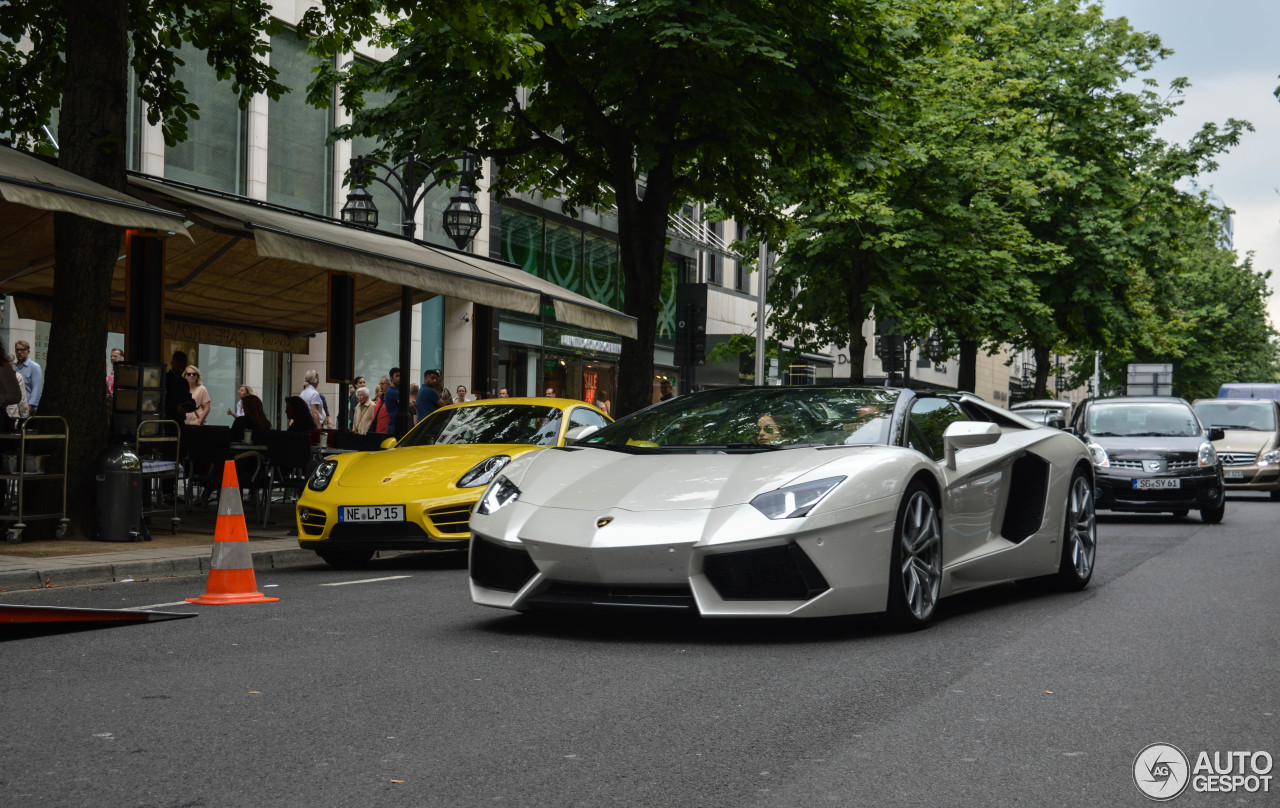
<point>417,493</point>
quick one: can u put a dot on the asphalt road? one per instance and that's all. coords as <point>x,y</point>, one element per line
<point>393,689</point>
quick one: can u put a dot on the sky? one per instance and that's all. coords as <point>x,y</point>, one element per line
<point>1227,50</point>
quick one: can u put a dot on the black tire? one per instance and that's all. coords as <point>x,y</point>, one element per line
<point>1079,535</point>
<point>1212,516</point>
<point>346,559</point>
<point>915,567</point>
<point>1275,496</point>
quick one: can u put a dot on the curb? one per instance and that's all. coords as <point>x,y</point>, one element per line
<point>263,560</point>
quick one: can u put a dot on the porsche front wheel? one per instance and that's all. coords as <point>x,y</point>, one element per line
<point>1080,536</point>
<point>915,571</point>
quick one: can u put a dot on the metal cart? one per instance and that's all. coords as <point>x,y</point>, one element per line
<point>35,454</point>
<point>158,444</point>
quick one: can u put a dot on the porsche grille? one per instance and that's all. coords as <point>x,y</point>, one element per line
<point>456,519</point>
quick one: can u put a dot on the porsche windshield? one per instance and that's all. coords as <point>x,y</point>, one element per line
<point>490,423</point>
<point>1258,416</point>
<point>1143,419</point>
<point>757,419</point>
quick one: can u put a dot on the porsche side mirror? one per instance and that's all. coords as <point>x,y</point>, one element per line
<point>580,432</point>
<point>389,443</point>
<point>1216,433</point>
<point>968,435</point>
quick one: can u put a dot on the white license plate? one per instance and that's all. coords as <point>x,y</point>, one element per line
<point>1157,483</point>
<point>371,513</point>
<point>1233,474</point>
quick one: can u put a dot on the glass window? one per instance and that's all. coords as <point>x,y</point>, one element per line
<point>602,270</point>
<point>581,416</point>
<point>389,214</point>
<point>522,241</point>
<point>564,257</point>
<point>930,417</point>
<point>213,154</point>
<point>299,168</point>
<point>1143,419</point>
<point>494,423</point>
<point>1258,416</point>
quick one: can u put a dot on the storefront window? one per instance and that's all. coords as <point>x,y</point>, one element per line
<point>522,241</point>
<point>602,271</point>
<point>564,257</point>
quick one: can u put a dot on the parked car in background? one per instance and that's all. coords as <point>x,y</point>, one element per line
<point>1262,390</point>
<point>1047,411</point>
<point>1151,454</point>
<point>1250,446</point>
<point>418,494</point>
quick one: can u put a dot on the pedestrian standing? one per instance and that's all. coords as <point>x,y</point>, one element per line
<point>117,355</point>
<point>462,394</point>
<point>391,400</point>
<point>199,394</point>
<point>32,378</point>
<point>352,399</point>
<point>13,392</point>
<point>429,393</point>
<point>362,412</point>
<point>311,396</point>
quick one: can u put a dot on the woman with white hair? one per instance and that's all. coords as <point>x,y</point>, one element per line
<point>362,412</point>
<point>311,396</point>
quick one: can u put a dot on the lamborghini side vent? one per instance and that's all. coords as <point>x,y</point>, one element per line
<point>770,573</point>
<point>1028,483</point>
<point>505,569</point>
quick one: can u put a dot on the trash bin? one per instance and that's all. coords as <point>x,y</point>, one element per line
<point>118,495</point>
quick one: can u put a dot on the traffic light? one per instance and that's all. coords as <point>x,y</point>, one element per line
<point>691,324</point>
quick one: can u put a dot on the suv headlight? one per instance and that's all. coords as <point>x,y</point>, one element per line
<point>1270,457</point>
<point>795,500</point>
<point>1207,456</point>
<point>500,493</point>
<point>1099,455</point>
<point>482,473</point>
<point>322,476</point>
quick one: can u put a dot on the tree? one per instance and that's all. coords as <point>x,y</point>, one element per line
<point>642,105</point>
<point>78,58</point>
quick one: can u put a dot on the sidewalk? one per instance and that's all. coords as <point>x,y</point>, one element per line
<point>66,562</point>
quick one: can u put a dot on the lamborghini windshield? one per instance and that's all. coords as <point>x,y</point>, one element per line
<point>497,423</point>
<point>756,419</point>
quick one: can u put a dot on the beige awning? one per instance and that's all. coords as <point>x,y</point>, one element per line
<point>309,243</point>
<point>29,182</point>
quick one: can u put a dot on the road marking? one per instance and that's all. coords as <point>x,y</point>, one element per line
<point>369,580</point>
<point>154,606</point>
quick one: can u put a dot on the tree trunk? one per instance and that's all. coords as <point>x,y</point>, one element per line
<point>857,307</point>
<point>967,377</point>
<point>642,240</point>
<point>1041,353</point>
<point>92,128</point>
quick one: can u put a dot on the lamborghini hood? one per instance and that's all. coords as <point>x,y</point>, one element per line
<point>596,479</point>
<point>420,465</point>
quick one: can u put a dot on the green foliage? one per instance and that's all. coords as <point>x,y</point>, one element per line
<point>233,35</point>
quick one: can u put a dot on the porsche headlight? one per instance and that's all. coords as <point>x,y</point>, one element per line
<point>794,500</point>
<point>1099,455</point>
<point>500,493</point>
<point>322,476</point>
<point>1270,457</point>
<point>1207,456</point>
<point>482,473</point>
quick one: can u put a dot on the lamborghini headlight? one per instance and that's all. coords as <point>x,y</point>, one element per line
<point>500,493</point>
<point>322,476</point>
<point>1207,456</point>
<point>1099,455</point>
<point>482,473</point>
<point>794,500</point>
<point>1270,457</point>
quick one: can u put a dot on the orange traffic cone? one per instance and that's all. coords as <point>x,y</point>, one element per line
<point>231,567</point>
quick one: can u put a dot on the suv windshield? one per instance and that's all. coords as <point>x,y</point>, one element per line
<point>1142,419</point>
<point>1238,414</point>
<point>756,419</point>
<point>489,423</point>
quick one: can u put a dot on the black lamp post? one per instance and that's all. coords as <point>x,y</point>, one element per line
<point>410,181</point>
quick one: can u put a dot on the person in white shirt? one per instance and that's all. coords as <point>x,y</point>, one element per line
<point>30,373</point>
<point>311,395</point>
